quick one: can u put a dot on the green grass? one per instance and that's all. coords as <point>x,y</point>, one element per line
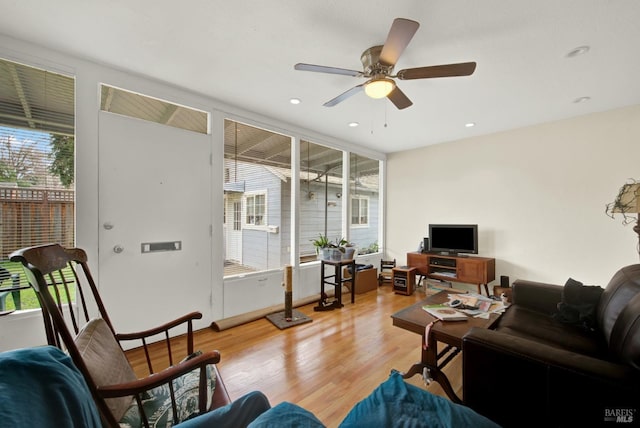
<point>28,297</point>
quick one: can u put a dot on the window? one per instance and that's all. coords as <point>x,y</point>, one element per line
<point>237,215</point>
<point>320,196</point>
<point>140,106</point>
<point>359,211</point>
<point>364,187</point>
<point>37,169</point>
<point>256,209</point>
<point>257,190</point>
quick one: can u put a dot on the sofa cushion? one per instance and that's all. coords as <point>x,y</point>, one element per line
<point>157,401</point>
<point>540,327</point>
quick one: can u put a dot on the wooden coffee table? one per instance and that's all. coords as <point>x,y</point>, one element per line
<point>450,333</point>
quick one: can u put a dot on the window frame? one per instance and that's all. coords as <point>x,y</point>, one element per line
<point>368,211</point>
<point>247,205</point>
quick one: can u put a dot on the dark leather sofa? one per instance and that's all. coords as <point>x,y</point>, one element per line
<point>535,370</point>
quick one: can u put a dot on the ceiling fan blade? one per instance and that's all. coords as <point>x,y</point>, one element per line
<point>445,70</point>
<point>343,96</point>
<point>400,34</point>
<point>399,99</point>
<point>325,69</point>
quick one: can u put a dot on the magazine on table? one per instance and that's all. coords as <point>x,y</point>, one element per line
<point>476,305</point>
<point>445,313</point>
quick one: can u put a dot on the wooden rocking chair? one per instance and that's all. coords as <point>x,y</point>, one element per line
<point>191,386</point>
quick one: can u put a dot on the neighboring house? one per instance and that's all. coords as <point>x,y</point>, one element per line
<point>257,206</point>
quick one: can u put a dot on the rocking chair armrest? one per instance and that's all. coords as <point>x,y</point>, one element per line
<point>165,376</point>
<point>159,329</point>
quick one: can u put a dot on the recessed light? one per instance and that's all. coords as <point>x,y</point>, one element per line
<point>295,101</point>
<point>470,124</point>
<point>578,51</point>
<point>581,100</point>
<point>353,124</point>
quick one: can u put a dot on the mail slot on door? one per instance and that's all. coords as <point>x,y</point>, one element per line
<point>155,247</point>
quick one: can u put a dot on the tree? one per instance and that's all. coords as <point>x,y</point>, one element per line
<point>62,152</point>
<point>18,161</point>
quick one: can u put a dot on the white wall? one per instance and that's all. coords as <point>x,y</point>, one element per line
<point>538,195</point>
<point>257,291</point>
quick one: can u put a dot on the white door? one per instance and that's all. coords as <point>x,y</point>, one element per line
<point>154,216</point>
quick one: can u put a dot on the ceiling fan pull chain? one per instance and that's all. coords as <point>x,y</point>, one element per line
<point>385,114</point>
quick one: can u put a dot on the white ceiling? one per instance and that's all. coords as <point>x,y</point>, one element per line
<point>243,52</point>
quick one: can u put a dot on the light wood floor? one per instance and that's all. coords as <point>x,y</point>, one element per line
<point>325,366</point>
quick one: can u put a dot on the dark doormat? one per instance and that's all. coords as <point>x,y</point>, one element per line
<point>278,319</point>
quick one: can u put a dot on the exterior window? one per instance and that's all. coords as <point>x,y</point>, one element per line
<point>320,196</point>
<point>256,208</point>
<point>37,170</point>
<point>257,191</point>
<point>364,187</point>
<point>359,211</point>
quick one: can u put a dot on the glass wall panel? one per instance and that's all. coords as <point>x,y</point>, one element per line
<point>320,196</point>
<point>257,198</point>
<point>37,170</point>
<point>364,189</point>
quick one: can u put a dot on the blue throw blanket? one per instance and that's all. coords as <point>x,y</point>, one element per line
<point>395,403</point>
<point>41,387</point>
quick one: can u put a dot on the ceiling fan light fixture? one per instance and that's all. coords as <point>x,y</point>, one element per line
<point>379,88</point>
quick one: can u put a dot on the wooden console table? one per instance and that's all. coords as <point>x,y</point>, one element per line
<point>469,270</point>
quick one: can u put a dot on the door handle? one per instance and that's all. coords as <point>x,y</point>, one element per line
<point>118,249</point>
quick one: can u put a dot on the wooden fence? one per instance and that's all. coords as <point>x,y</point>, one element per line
<point>32,216</point>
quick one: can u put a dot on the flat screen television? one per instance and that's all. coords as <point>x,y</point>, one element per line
<point>453,238</point>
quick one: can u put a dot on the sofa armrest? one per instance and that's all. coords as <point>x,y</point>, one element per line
<point>537,296</point>
<point>507,377</point>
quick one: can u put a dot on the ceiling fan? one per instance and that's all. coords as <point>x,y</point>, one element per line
<point>378,63</point>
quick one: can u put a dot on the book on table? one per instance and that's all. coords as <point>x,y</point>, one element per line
<point>445,313</point>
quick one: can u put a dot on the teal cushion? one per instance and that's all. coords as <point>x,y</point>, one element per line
<point>157,401</point>
<point>286,415</point>
<point>41,387</point>
<point>395,403</point>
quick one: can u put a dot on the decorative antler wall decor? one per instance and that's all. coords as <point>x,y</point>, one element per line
<point>626,203</point>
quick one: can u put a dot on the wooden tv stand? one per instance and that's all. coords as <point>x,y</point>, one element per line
<point>469,270</point>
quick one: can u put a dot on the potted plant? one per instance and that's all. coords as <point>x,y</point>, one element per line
<point>322,245</point>
<point>349,251</point>
<point>338,249</point>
